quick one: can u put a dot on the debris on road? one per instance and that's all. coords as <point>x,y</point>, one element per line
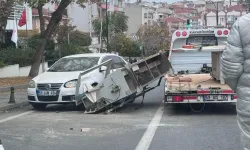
<point>85,129</point>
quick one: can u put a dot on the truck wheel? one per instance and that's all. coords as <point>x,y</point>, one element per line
<point>38,106</point>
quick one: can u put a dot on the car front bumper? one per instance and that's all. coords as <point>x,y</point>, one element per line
<point>65,96</point>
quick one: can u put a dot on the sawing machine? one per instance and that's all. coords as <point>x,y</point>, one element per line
<point>120,86</point>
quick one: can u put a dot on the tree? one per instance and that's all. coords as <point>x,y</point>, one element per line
<point>124,46</point>
<point>154,38</point>
<point>117,23</point>
<point>34,41</point>
<point>60,34</point>
<point>71,41</point>
<point>76,43</point>
<point>38,4</point>
<point>5,11</point>
<point>245,4</point>
<point>54,21</point>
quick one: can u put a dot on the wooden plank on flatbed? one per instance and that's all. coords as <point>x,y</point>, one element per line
<point>191,82</point>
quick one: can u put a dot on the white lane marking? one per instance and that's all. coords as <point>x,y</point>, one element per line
<point>150,132</point>
<point>15,116</point>
<point>163,125</point>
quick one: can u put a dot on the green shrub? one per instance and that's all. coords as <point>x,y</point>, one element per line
<point>71,49</point>
<point>1,64</point>
<point>34,41</point>
<point>11,56</point>
<point>24,54</point>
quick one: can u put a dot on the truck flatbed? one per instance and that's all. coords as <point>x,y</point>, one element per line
<point>192,82</point>
<point>193,52</point>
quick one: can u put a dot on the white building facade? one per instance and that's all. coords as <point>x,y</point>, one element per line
<point>226,17</point>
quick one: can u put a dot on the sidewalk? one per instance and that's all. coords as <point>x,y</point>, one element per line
<point>20,99</point>
<point>7,88</point>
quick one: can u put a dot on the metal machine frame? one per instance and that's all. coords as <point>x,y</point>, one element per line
<point>123,85</point>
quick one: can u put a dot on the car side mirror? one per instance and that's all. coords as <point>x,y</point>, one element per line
<point>102,68</point>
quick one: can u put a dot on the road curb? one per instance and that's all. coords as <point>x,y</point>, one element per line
<point>12,106</point>
<point>7,89</point>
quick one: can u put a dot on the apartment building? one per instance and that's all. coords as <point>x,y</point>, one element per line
<point>138,15</point>
<point>226,17</point>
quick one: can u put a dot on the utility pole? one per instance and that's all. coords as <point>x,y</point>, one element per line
<point>100,50</point>
<point>26,11</point>
<point>147,15</point>
<point>90,18</point>
<point>107,25</point>
<point>217,13</point>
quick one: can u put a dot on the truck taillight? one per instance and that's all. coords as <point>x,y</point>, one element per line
<point>178,33</point>
<point>184,33</point>
<point>177,99</point>
<point>219,32</point>
<point>225,32</point>
<point>233,97</point>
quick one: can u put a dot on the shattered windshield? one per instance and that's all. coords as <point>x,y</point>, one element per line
<point>74,64</point>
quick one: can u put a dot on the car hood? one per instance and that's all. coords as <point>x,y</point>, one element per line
<point>56,77</point>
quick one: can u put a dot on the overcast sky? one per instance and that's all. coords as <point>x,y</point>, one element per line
<point>168,1</point>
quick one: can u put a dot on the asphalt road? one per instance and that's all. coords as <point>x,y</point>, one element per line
<point>135,126</point>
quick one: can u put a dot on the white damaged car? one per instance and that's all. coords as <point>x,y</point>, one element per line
<point>57,84</point>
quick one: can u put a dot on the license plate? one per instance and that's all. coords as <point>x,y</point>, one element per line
<point>169,98</point>
<point>216,97</point>
<point>46,93</point>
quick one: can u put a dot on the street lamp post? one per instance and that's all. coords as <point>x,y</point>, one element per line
<point>217,14</point>
<point>107,24</point>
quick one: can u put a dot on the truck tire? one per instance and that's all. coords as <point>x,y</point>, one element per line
<point>38,106</point>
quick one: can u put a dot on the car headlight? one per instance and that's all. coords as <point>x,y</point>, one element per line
<point>32,84</point>
<point>70,84</point>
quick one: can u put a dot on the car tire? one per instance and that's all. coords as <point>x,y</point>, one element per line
<point>38,106</point>
<point>81,107</point>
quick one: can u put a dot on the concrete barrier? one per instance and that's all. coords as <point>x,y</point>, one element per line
<point>16,71</point>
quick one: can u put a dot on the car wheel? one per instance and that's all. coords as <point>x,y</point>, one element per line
<point>38,106</point>
<point>80,107</point>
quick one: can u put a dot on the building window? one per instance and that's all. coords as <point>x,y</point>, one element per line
<point>145,15</point>
<point>119,3</point>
